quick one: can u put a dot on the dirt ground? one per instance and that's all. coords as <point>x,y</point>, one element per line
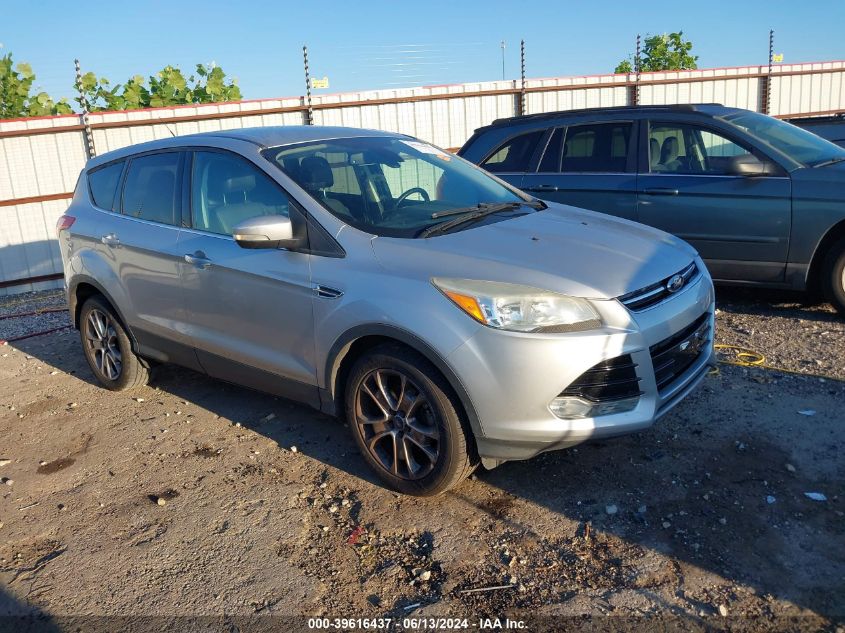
<point>191,497</point>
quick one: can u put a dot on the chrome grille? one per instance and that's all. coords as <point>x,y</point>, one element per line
<point>649,296</point>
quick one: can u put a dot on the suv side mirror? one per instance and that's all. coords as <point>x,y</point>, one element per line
<point>748,165</point>
<point>266,231</point>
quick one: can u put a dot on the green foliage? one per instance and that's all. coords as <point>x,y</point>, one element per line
<point>15,88</point>
<point>168,87</point>
<point>625,66</point>
<point>662,52</point>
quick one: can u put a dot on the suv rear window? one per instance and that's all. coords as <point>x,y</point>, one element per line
<point>600,147</point>
<point>103,183</point>
<point>515,154</point>
<point>150,189</point>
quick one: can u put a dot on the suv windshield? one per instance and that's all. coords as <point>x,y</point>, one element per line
<point>799,144</point>
<point>392,186</point>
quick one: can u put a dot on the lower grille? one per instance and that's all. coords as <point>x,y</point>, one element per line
<point>674,355</point>
<point>613,379</point>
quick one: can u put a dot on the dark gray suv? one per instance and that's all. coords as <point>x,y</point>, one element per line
<point>762,200</point>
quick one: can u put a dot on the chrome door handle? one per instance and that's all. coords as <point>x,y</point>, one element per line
<point>326,292</point>
<point>110,240</point>
<point>660,191</point>
<point>542,188</point>
<point>198,259</point>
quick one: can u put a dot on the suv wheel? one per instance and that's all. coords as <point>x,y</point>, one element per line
<point>834,276</point>
<point>406,423</point>
<point>107,347</point>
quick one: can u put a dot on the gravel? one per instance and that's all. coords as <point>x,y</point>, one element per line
<point>791,331</point>
<point>14,327</point>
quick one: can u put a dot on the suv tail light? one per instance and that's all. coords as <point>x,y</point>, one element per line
<point>64,222</point>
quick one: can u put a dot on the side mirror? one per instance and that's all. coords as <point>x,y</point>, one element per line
<point>748,165</point>
<point>266,231</point>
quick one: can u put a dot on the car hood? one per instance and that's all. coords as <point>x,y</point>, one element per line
<point>563,249</point>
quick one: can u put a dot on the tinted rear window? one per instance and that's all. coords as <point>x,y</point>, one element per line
<point>103,185</point>
<point>151,188</point>
<point>514,154</point>
<point>601,147</point>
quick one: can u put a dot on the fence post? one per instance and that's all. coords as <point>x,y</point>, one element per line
<point>309,113</point>
<point>637,69</point>
<point>522,78</point>
<point>83,102</point>
<point>767,95</point>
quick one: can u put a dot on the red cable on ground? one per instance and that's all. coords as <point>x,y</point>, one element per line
<point>25,336</point>
<point>35,313</point>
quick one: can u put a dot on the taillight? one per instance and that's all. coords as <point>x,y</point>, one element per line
<point>64,222</point>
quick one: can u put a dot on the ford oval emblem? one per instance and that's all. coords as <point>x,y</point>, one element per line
<point>675,283</point>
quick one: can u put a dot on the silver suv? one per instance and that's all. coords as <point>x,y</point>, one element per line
<point>451,319</point>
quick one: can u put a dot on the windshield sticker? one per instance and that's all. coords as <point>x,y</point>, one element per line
<point>425,148</point>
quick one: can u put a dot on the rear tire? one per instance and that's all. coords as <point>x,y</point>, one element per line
<point>833,276</point>
<point>108,349</point>
<point>406,422</point>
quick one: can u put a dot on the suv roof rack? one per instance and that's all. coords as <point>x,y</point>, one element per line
<point>682,107</point>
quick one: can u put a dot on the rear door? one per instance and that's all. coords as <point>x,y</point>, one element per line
<point>249,311</point>
<point>591,165</point>
<point>740,225</point>
<point>142,245</point>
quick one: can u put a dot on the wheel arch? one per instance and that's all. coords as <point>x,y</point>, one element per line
<point>84,288</point>
<point>355,342</point>
<point>833,235</point>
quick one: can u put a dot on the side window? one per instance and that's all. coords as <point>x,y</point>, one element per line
<point>515,154</point>
<point>550,162</point>
<point>151,190</point>
<point>597,148</point>
<point>227,189</point>
<point>103,185</point>
<point>680,148</point>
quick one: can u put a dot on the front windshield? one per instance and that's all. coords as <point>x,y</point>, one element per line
<point>387,185</point>
<point>799,144</point>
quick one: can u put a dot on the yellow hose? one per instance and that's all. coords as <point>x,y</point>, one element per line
<point>745,357</point>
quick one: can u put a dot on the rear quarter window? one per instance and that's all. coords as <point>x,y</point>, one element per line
<point>103,182</point>
<point>515,154</point>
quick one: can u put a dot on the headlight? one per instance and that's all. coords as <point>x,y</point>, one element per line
<point>519,308</point>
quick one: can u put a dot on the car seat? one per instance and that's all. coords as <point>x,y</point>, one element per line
<point>669,155</point>
<point>315,175</point>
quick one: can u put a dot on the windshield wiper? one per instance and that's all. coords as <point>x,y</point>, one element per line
<point>534,204</point>
<point>466,214</point>
<point>831,161</point>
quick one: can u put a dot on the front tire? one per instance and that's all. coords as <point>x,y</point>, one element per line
<point>406,424</point>
<point>834,276</point>
<point>108,349</point>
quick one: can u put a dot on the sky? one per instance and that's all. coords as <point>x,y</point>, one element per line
<point>372,44</point>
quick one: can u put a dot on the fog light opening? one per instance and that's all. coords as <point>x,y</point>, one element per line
<point>569,408</point>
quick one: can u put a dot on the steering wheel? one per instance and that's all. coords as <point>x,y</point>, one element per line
<point>412,190</point>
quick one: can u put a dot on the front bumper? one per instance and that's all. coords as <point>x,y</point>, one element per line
<point>512,377</point>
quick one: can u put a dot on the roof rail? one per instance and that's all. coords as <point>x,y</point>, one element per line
<point>683,107</point>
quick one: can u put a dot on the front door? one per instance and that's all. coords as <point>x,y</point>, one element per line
<point>740,225</point>
<point>592,166</point>
<point>249,311</point>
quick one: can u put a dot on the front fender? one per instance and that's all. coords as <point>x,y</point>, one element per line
<point>344,342</point>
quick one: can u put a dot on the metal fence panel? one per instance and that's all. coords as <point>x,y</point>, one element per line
<point>41,157</point>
